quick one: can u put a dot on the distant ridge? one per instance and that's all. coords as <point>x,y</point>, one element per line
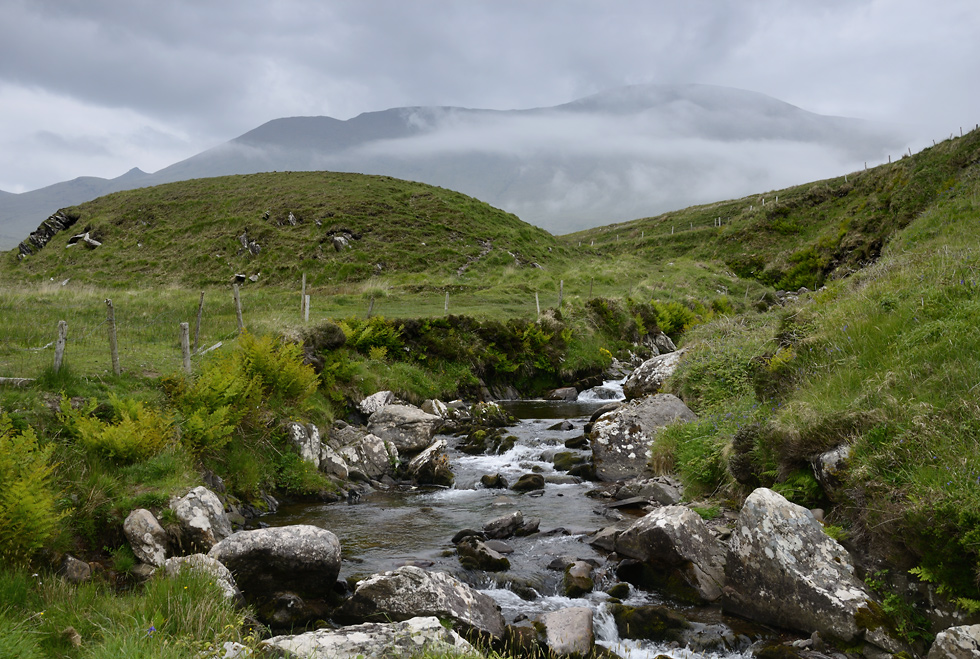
<point>620,154</point>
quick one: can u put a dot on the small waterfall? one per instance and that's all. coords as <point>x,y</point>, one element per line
<point>609,391</point>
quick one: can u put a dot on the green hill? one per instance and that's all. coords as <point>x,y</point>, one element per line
<point>199,232</point>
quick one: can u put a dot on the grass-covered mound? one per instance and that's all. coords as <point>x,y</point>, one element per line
<point>190,233</point>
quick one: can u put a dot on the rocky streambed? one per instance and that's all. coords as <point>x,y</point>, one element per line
<point>542,532</point>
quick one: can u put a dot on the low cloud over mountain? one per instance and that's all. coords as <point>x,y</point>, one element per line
<point>627,153</point>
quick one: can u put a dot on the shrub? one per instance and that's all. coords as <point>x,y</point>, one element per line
<point>29,515</point>
<point>134,432</point>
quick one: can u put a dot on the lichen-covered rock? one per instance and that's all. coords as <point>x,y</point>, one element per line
<point>365,456</point>
<point>830,468</point>
<point>660,489</point>
<point>301,559</point>
<point>203,521</point>
<point>676,542</point>
<point>411,591</point>
<point>407,427</point>
<point>569,631</point>
<point>211,566</point>
<point>783,570</point>
<point>375,402</point>
<point>332,463</point>
<point>147,538</point>
<point>431,466</point>
<point>621,439</point>
<point>956,643</point>
<point>412,637</point>
<point>651,375</point>
<point>491,415</point>
<point>306,438</point>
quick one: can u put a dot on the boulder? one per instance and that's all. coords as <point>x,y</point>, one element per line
<point>493,481</point>
<point>332,463</point>
<point>663,343</point>
<point>830,469</point>
<point>431,466</point>
<point>407,427</point>
<point>147,538</point>
<point>504,526</point>
<point>411,591</point>
<point>564,393</point>
<point>577,579</point>
<point>74,570</point>
<point>491,415</point>
<point>660,489</point>
<point>621,439</point>
<point>528,483</point>
<point>569,631</point>
<point>651,623</point>
<point>301,559</point>
<point>476,554</point>
<point>211,566</point>
<point>956,643</point>
<point>808,580</point>
<point>651,375</point>
<point>676,542</point>
<point>305,437</point>
<point>374,639</point>
<point>365,456</point>
<point>202,518</point>
<point>375,402</point>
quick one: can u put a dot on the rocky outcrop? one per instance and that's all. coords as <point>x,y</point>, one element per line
<point>299,559</point>
<point>411,591</point>
<point>202,518</point>
<point>783,570</point>
<point>44,233</point>
<point>407,427</point>
<point>147,538</point>
<point>621,439</point>
<point>956,643</point>
<point>683,553</point>
<point>409,638</point>
<point>211,566</point>
<point>569,631</point>
<point>651,375</point>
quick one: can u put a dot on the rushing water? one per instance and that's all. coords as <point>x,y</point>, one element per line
<point>385,530</point>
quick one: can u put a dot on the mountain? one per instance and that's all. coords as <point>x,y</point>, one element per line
<point>621,154</point>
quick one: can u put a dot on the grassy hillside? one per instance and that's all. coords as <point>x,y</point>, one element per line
<point>189,233</point>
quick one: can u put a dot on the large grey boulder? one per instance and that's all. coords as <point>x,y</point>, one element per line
<point>678,545</point>
<point>956,643</point>
<point>783,570</point>
<point>406,426</point>
<point>202,518</point>
<point>365,456</point>
<point>664,490</point>
<point>569,631</point>
<point>410,591</point>
<point>208,565</point>
<point>299,559</point>
<point>411,637</point>
<point>651,375</point>
<point>147,538</point>
<point>621,439</point>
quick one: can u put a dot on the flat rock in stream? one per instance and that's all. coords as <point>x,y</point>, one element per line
<point>410,591</point>
<point>408,638</point>
<point>406,426</point>
<point>569,631</point>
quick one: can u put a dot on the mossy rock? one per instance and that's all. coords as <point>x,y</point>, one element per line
<point>653,623</point>
<point>619,591</point>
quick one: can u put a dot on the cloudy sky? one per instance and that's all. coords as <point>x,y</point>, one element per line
<point>95,87</point>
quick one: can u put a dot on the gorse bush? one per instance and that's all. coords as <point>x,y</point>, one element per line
<point>29,513</point>
<point>134,432</point>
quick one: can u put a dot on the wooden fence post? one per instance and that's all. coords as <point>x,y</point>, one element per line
<point>306,308</point>
<point>113,346</point>
<point>302,301</point>
<point>59,348</point>
<point>197,328</point>
<point>238,308</point>
<point>370,307</point>
<point>446,306</point>
<point>561,292</point>
<point>185,346</point>
<point>537,303</point>
<point>591,281</point>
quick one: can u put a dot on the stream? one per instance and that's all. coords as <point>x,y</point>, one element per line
<point>387,529</point>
